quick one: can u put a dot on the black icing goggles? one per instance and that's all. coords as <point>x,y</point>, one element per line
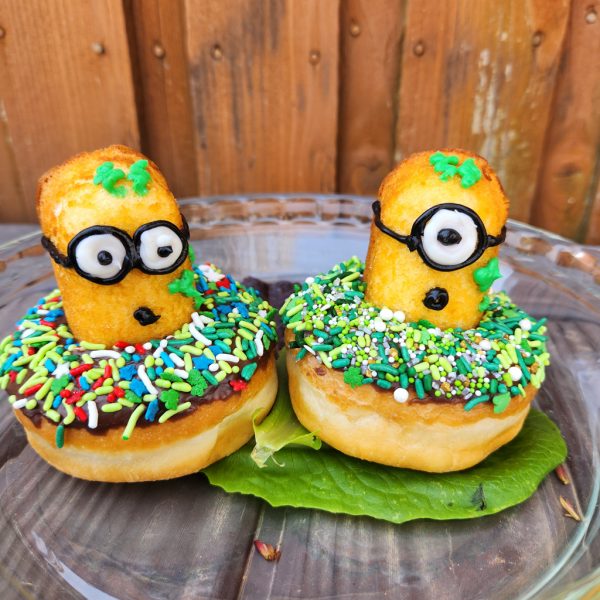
<point>105,255</point>
<point>447,237</point>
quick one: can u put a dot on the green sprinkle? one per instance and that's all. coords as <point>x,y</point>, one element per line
<point>133,419</point>
<point>60,436</point>
<point>169,413</point>
<point>250,369</point>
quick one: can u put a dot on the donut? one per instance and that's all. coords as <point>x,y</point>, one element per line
<point>140,365</point>
<point>410,360</point>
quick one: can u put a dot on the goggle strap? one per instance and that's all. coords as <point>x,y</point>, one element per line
<point>409,240</point>
<point>57,256</point>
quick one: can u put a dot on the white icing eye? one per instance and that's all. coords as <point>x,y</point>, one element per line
<point>159,248</point>
<point>450,237</point>
<point>100,255</point>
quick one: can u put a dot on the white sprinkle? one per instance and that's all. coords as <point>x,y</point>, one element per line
<point>198,336</point>
<point>147,346</point>
<point>162,344</point>
<point>61,369</point>
<point>146,380</point>
<point>176,359</point>
<point>27,333</point>
<point>309,280</point>
<point>20,403</point>
<point>485,345</point>
<point>228,358</point>
<point>181,373</point>
<point>213,368</point>
<point>515,373</point>
<point>400,395</point>
<point>399,316</point>
<point>42,311</point>
<point>386,314</point>
<point>92,414</point>
<point>197,320</point>
<point>210,273</point>
<point>379,325</point>
<point>310,349</point>
<point>260,349</point>
<point>130,349</point>
<point>105,354</point>
<point>525,324</point>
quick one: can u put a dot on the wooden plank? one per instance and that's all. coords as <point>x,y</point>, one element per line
<point>12,207</point>
<point>566,181</point>
<point>480,75</point>
<point>66,82</point>
<point>592,235</point>
<point>370,34</point>
<point>162,86</point>
<point>264,80</point>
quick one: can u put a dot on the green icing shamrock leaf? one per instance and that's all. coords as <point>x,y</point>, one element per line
<point>60,384</point>
<point>444,164</point>
<point>107,175</point>
<point>485,276</point>
<point>186,285</point>
<point>353,377</point>
<point>132,397</point>
<point>191,254</point>
<point>138,173</point>
<point>170,398</point>
<point>485,303</point>
<point>469,173</point>
<point>197,382</point>
<point>501,401</point>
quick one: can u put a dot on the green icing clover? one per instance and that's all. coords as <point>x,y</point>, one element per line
<point>138,174</point>
<point>444,164</point>
<point>353,377</point>
<point>170,398</point>
<point>107,175</point>
<point>485,276</point>
<point>198,383</point>
<point>186,285</point>
<point>469,173</point>
<point>501,402</point>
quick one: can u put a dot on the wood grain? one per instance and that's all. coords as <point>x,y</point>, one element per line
<point>370,36</point>
<point>162,87</point>
<point>264,80</point>
<point>567,179</point>
<point>480,75</point>
<point>66,85</point>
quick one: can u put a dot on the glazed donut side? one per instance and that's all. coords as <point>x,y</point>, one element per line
<point>178,447</point>
<point>424,435</point>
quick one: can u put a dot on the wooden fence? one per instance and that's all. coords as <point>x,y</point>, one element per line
<point>308,95</point>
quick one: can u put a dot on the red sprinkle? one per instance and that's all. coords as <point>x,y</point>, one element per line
<point>238,385</point>
<point>107,371</point>
<point>47,323</point>
<point>118,392</point>
<point>30,351</point>
<point>12,375</point>
<point>224,283</point>
<point>33,389</point>
<point>65,393</point>
<point>80,413</point>
<point>121,345</point>
<point>55,299</point>
<point>75,397</point>
<point>140,349</point>
<point>80,370</point>
<point>111,397</point>
<point>98,383</point>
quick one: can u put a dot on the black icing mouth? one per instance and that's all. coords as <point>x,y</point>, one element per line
<point>145,316</point>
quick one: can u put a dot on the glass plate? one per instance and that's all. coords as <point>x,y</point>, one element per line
<point>66,538</point>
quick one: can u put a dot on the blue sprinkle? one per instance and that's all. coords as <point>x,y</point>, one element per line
<point>202,362</point>
<point>232,282</point>
<point>9,361</point>
<point>224,309</point>
<point>17,343</point>
<point>57,401</point>
<point>49,365</point>
<point>267,329</point>
<point>84,383</point>
<point>215,313</point>
<point>159,370</point>
<point>242,309</point>
<point>137,387</point>
<point>136,357</point>
<point>167,360</point>
<point>215,350</point>
<point>69,341</point>
<point>128,372</point>
<point>201,284</point>
<point>151,410</point>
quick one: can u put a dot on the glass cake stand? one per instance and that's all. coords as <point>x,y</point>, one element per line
<point>67,538</point>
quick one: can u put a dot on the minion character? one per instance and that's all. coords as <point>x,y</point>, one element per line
<point>438,222</point>
<point>117,239</point>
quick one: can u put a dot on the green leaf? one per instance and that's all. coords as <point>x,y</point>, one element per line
<point>281,427</point>
<point>329,480</point>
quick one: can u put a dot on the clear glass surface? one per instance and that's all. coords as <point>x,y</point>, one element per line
<point>66,538</point>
